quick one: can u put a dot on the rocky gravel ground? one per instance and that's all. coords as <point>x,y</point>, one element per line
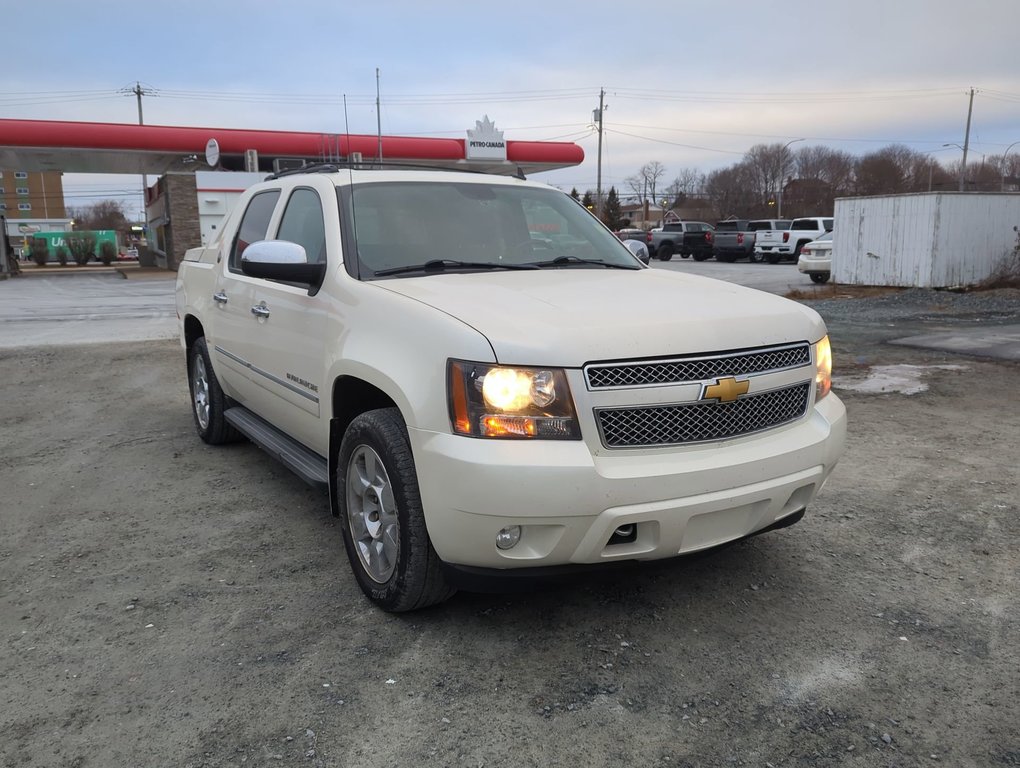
<point>166,603</point>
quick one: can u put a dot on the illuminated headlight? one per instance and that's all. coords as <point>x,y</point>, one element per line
<point>500,401</point>
<point>823,368</point>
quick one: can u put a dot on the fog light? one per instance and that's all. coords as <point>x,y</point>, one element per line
<point>508,537</point>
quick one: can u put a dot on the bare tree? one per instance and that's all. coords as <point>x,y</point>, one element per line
<point>766,166</point>
<point>890,170</point>
<point>638,185</point>
<point>690,181</point>
<point>838,171</point>
<point>104,214</point>
<point>729,190</point>
<point>651,172</point>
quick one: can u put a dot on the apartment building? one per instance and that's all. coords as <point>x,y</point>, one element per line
<point>31,194</point>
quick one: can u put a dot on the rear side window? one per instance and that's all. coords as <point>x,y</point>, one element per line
<point>827,223</point>
<point>254,225</point>
<point>302,224</point>
<point>769,224</point>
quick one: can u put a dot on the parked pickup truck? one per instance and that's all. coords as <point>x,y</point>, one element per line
<point>687,238</point>
<point>735,238</point>
<point>479,402</point>
<point>775,245</point>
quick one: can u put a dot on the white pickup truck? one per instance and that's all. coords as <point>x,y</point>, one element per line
<point>775,245</point>
<point>489,383</point>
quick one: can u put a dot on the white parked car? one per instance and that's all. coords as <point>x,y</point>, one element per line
<point>816,259</point>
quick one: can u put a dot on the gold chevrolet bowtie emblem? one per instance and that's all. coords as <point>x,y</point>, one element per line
<point>726,390</point>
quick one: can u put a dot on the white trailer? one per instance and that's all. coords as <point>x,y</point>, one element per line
<point>926,240</point>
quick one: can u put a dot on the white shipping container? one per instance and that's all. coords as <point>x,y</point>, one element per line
<point>927,240</point>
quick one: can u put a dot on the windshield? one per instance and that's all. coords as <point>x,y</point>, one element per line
<point>417,228</point>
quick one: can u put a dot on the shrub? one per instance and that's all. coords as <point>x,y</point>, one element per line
<point>83,246</point>
<point>107,252</point>
<point>40,251</point>
<point>61,252</point>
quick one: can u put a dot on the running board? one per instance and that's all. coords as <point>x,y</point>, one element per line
<point>306,464</point>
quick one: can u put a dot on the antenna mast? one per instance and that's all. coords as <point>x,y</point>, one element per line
<point>378,116</point>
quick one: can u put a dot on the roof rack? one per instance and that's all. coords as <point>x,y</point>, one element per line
<point>311,168</point>
<point>375,165</point>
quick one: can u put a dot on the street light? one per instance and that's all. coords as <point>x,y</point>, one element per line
<point>782,175</point>
<point>1003,187</point>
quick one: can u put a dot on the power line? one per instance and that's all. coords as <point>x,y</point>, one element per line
<point>675,143</point>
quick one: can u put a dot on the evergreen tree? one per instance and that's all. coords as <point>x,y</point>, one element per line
<point>611,214</point>
<point>574,194</point>
<point>588,201</point>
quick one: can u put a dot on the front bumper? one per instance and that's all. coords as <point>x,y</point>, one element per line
<point>570,502</point>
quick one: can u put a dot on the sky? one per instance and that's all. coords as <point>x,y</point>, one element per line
<point>691,83</point>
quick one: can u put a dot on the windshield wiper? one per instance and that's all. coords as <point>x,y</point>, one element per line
<point>564,261</point>
<point>442,265</point>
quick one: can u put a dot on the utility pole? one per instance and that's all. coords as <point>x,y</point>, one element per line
<point>966,142</point>
<point>139,90</point>
<point>598,182</point>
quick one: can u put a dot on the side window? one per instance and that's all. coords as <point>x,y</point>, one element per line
<point>254,225</point>
<point>827,223</point>
<point>302,224</point>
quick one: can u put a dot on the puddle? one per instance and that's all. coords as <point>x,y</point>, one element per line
<point>898,379</point>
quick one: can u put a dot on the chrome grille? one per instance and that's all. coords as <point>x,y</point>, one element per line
<point>684,369</point>
<point>699,422</point>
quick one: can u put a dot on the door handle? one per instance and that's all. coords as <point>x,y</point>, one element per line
<point>260,310</point>
<point>220,298</point>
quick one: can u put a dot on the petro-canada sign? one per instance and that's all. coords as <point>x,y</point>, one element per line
<point>485,142</point>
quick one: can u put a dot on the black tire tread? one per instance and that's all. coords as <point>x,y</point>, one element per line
<point>219,431</point>
<point>423,582</point>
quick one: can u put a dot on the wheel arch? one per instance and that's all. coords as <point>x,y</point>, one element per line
<point>192,330</point>
<point>350,397</point>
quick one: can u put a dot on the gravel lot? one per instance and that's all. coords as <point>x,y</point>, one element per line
<point>165,603</point>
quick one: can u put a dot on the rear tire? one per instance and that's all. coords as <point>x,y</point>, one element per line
<point>819,277</point>
<point>381,516</point>
<point>664,252</point>
<point>208,403</point>
<point>700,256</point>
<point>772,258</point>
<point>755,257</point>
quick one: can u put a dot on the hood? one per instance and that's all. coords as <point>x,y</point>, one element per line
<point>569,317</point>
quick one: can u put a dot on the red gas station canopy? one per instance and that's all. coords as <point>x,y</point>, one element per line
<point>73,147</point>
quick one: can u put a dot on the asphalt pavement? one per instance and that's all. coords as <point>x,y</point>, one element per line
<point>70,306</point>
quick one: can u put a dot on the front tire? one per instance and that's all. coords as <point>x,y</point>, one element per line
<point>208,403</point>
<point>381,516</point>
